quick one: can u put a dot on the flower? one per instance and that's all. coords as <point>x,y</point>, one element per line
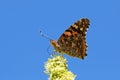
<point>57,69</point>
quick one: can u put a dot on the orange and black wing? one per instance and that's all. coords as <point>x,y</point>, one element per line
<point>73,40</point>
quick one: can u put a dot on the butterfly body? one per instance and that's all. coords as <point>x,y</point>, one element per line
<point>73,41</point>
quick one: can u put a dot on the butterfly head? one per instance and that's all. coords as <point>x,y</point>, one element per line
<point>55,45</point>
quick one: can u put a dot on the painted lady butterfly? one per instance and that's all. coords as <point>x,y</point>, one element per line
<point>73,41</point>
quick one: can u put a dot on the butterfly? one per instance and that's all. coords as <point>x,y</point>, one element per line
<point>73,41</point>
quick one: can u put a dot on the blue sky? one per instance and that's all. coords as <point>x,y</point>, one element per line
<point>23,51</point>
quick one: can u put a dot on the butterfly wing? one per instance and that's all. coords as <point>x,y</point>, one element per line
<point>73,40</point>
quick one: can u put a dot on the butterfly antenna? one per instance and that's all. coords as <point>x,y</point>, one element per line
<point>45,36</point>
